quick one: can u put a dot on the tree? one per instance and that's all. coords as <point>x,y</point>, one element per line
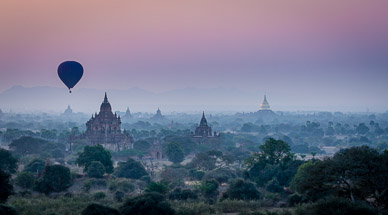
<point>95,153</point>
<point>158,187</point>
<point>27,145</point>
<point>130,169</point>
<point>241,190</point>
<point>179,194</point>
<point>149,203</point>
<point>209,189</point>
<point>354,173</point>
<point>187,144</point>
<point>175,153</point>
<point>273,161</point>
<point>56,178</point>
<point>7,162</point>
<point>221,175</point>
<point>5,209</point>
<point>96,169</point>
<point>35,166</point>
<point>362,128</point>
<point>96,209</point>
<point>203,161</point>
<point>335,206</point>
<point>142,146</point>
<point>25,180</point>
<point>6,188</point>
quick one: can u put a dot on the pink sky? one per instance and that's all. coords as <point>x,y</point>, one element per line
<point>162,45</point>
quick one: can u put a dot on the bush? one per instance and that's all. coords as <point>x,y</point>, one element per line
<point>335,206</point>
<point>146,179</point>
<point>35,166</point>
<point>119,196</point>
<point>179,194</point>
<point>130,169</point>
<point>295,199</point>
<point>150,203</point>
<point>123,185</point>
<point>6,188</point>
<point>25,180</point>
<point>7,210</point>
<point>175,153</point>
<point>242,190</point>
<point>56,178</point>
<point>158,187</point>
<point>95,153</point>
<point>8,163</point>
<point>196,174</point>
<point>96,209</point>
<point>209,189</point>
<point>99,195</point>
<point>96,169</point>
<point>220,175</point>
<point>274,186</point>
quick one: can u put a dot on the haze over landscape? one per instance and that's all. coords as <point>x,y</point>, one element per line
<point>324,55</point>
<point>193,107</point>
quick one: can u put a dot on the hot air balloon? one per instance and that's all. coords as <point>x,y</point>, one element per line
<point>70,72</point>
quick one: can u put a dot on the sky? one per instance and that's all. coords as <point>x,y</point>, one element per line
<point>301,52</point>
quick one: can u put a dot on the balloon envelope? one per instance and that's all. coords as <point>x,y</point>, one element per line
<point>70,72</point>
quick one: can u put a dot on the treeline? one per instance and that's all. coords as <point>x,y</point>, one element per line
<point>353,181</point>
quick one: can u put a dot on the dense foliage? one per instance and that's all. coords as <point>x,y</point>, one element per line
<point>56,178</point>
<point>96,209</point>
<point>96,169</point>
<point>242,190</point>
<point>95,153</point>
<point>150,203</point>
<point>130,169</point>
<point>175,153</point>
<point>8,163</point>
<point>6,188</point>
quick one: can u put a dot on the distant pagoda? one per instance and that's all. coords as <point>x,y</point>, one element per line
<point>158,115</point>
<point>265,111</point>
<point>128,114</point>
<point>264,105</point>
<point>68,111</point>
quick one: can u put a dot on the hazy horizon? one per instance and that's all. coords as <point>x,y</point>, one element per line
<point>185,100</point>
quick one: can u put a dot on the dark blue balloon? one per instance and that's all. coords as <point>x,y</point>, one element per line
<point>70,72</point>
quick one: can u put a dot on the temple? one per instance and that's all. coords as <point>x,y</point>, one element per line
<point>265,105</point>
<point>265,112</point>
<point>158,115</point>
<point>128,114</point>
<point>203,133</point>
<point>104,128</point>
<point>68,111</point>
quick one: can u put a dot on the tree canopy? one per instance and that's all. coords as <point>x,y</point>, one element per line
<point>56,178</point>
<point>6,188</point>
<point>8,163</point>
<point>149,203</point>
<point>96,169</point>
<point>274,161</point>
<point>95,153</point>
<point>357,173</point>
<point>97,209</point>
<point>175,153</point>
<point>241,190</point>
<point>130,169</point>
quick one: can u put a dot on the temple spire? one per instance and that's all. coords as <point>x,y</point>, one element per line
<point>105,98</point>
<point>203,120</point>
<point>265,105</point>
